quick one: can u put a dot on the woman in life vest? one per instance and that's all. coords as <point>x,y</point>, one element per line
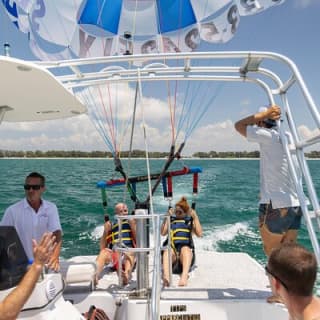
<point>184,222</point>
<point>110,238</point>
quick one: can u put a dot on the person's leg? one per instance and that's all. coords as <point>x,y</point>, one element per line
<point>128,266</point>
<point>290,236</point>
<point>165,266</point>
<point>270,240</point>
<point>278,226</point>
<point>271,227</point>
<point>271,234</point>
<point>294,215</point>
<point>185,259</point>
<point>103,258</point>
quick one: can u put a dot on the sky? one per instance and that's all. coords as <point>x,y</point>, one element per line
<point>291,29</point>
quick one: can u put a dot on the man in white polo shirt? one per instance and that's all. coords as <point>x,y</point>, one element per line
<point>279,210</point>
<point>34,216</point>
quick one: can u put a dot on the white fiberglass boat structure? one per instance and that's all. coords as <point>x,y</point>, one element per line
<point>214,290</point>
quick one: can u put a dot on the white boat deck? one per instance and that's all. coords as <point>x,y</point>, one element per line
<point>227,285</point>
<point>222,276</point>
<point>215,276</point>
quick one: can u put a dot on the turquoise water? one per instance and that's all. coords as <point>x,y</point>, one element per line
<point>226,204</point>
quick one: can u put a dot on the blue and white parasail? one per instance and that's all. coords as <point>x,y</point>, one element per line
<point>63,29</point>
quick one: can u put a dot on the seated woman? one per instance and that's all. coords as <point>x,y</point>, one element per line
<point>183,224</point>
<point>110,238</point>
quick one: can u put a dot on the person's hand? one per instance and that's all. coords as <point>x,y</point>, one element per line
<point>170,211</point>
<point>43,251</point>
<point>193,213</point>
<point>274,112</point>
<point>54,263</point>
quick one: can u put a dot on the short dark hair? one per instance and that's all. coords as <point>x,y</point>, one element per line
<point>37,175</point>
<point>269,123</point>
<point>295,266</point>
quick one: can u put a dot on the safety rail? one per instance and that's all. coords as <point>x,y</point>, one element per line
<point>148,249</point>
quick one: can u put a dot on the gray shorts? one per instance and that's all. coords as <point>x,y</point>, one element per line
<point>280,220</point>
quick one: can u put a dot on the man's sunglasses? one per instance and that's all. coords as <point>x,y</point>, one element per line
<point>269,272</point>
<point>32,186</point>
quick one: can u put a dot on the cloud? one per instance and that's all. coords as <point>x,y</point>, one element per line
<point>115,103</point>
<point>218,137</point>
<point>305,3</point>
<point>78,133</point>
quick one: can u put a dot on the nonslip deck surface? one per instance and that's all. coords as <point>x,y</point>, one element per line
<point>216,275</point>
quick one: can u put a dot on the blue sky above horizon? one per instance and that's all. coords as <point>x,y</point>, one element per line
<point>291,29</point>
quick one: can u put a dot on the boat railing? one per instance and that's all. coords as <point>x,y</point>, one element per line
<point>142,250</point>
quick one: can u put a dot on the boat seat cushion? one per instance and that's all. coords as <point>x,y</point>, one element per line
<point>78,275</point>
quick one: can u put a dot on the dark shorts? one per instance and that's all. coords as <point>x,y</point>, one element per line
<point>177,266</point>
<point>280,220</point>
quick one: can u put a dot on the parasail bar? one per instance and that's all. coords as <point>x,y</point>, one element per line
<point>118,182</point>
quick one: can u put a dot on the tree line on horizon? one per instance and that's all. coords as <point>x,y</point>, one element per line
<point>134,154</point>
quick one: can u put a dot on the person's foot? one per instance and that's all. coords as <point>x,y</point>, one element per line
<point>274,299</point>
<point>183,280</point>
<point>126,277</point>
<point>165,282</point>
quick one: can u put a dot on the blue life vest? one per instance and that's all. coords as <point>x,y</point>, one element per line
<point>126,235</point>
<point>181,232</point>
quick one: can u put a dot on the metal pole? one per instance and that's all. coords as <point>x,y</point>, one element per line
<point>142,257</point>
<point>6,48</point>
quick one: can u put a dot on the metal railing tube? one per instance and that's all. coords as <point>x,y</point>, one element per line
<point>142,257</point>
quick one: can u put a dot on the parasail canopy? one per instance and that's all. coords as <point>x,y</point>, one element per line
<point>68,29</point>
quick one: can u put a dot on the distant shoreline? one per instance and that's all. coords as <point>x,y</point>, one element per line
<point>135,154</point>
<point>111,159</point>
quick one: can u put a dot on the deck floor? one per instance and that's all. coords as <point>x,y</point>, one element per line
<point>216,275</point>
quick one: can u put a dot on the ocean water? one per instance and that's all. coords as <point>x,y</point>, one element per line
<point>227,202</point>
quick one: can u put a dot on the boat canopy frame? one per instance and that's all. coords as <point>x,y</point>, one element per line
<point>194,66</point>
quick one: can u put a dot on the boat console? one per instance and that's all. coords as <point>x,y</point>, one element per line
<point>48,291</point>
<point>13,259</point>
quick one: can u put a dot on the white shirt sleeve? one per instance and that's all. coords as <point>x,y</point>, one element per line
<point>54,220</point>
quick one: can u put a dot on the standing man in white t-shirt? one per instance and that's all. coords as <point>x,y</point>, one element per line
<point>34,216</point>
<point>279,210</point>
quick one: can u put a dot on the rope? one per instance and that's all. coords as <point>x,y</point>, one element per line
<point>172,113</point>
<point>204,110</point>
<point>131,136</point>
<point>96,120</point>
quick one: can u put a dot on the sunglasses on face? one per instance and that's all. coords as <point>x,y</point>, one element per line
<point>179,211</point>
<point>269,272</point>
<point>32,186</point>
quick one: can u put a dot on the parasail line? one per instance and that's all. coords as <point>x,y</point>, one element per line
<point>204,110</point>
<point>172,115</point>
<point>131,136</point>
<point>170,159</point>
<point>119,168</point>
<point>97,123</point>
